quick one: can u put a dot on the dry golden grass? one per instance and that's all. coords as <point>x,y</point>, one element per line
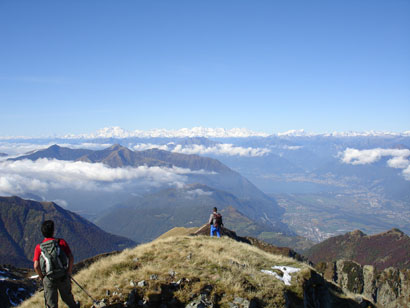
<point>178,231</point>
<point>232,268</point>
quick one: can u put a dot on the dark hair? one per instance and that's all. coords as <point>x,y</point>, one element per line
<point>215,209</point>
<point>47,228</point>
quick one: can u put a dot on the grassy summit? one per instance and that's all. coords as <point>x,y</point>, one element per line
<point>226,268</point>
<point>178,270</point>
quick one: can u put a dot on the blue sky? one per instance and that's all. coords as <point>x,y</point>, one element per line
<point>77,66</point>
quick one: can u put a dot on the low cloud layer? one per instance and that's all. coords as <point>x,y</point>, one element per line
<point>19,148</point>
<point>400,158</point>
<point>224,149</point>
<point>17,177</point>
<point>191,194</point>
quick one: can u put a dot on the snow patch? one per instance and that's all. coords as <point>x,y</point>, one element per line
<point>286,270</point>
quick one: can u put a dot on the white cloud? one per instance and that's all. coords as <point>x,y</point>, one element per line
<point>17,177</point>
<point>14,149</point>
<point>400,162</point>
<point>149,146</point>
<point>361,157</point>
<point>406,173</point>
<point>85,145</point>
<point>61,202</point>
<point>218,149</point>
<point>198,192</point>
<point>291,147</point>
<point>221,149</point>
<point>400,158</point>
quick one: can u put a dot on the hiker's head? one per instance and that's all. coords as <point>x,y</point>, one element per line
<point>215,209</point>
<point>47,228</point>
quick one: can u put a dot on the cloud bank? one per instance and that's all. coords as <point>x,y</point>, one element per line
<point>223,149</point>
<point>400,158</point>
<point>17,177</point>
<point>19,148</point>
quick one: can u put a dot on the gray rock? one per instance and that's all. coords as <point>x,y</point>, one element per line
<point>243,303</point>
<point>350,276</point>
<point>369,278</point>
<point>196,304</point>
<point>172,273</point>
<point>153,277</point>
<point>389,288</point>
<point>181,281</point>
<point>101,304</point>
<point>142,283</point>
<point>200,302</point>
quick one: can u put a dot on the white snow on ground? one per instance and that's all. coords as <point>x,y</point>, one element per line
<point>286,270</point>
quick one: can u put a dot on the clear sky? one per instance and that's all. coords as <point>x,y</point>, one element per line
<point>78,66</point>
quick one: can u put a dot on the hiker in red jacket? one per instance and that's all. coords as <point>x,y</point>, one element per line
<point>215,220</point>
<point>53,262</point>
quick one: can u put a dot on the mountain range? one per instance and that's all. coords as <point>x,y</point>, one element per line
<point>304,180</point>
<point>118,132</point>
<point>20,223</point>
<point>210,172</point>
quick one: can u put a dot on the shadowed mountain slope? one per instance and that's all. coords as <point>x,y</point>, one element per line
<point>391,248</point>
<point>20,223</point>
<point>145,218</point>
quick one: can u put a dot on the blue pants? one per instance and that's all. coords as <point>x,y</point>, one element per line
<point>218,231</point>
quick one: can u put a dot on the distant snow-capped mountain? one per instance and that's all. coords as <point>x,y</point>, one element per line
<point>118,132</point>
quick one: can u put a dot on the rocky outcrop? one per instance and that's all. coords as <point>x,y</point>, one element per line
<point>389,288</point>
<point>15,285</point>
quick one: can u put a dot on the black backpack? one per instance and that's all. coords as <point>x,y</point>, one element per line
<point>217,220</point>
<point>53,260</point>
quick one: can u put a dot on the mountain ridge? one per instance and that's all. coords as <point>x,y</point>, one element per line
<point>20,222</point>
<point>257,205</point>
<point>382,250</point>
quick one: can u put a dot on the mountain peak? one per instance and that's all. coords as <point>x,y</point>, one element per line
<point>54,147</point>
<point>394,231</point>
<point>357,233</point>
<point>117,147</point>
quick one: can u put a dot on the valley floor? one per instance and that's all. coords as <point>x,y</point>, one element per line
<point>318,216</point>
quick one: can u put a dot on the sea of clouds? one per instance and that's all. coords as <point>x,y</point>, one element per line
<point>400,158</point>
<point>23,176</point>
<point>223,149</point>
